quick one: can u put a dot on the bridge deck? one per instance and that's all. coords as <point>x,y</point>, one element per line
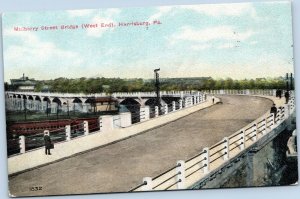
<point>120,166</point>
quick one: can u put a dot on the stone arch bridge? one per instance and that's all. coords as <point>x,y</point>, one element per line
<point>38,101</point>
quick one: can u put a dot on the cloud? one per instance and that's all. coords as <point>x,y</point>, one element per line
<point>80,13</point>
<point>253,42</point>
<point>112,12</point>
<point>187,33</point>
<point>160,12</point>
<point>33,55</point>
<point>216,10</point>
<point>103,17</point>
<point>226,45</point>
<point>200,47</point>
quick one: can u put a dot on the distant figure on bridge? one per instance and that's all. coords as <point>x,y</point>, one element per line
<point>213,99</point>
<point>279,93</point>
<point>287,96</point>
<point>48,143</point>
<point>274,111</point>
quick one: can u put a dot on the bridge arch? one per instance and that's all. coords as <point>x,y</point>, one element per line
<point>133,106</point>
<point>46,99</point>
<point>77,104</point>
<point>37,98</point>
<point>77,100</point>
<point>57,100</point>
<point>130,102</point>
<point>151,102</point>
<point>169,100</point>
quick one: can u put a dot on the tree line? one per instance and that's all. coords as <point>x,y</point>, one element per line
<point>109,85</point>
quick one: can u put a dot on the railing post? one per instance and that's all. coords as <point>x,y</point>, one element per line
<point>107,123</point>
<point>100,123</point>
<point>255,126</point>
<point>226,148</point>
<point>265,124</point>
<point>165,109</point>
<point>181,174</point>
<point>22,143</point>
<point>86,127</point>
<point>180,104</point>
<point>144,113</point>
<point>173,106</point>
<point>147,184</point>
<point>156,111</point>
<point>242,140</point>
<point>125,119</point>
<point>68,132</point>
<point>206,160</point>
<point>286,111</point>
<point>273,120</point>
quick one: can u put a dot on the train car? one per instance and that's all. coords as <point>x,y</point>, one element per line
<point>36,127</point>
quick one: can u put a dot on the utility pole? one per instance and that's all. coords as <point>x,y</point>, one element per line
<point>157,86</point>
<point>68,108</point>
<point>291,82</point>
<point>287,81</point>
<point>57,111</point>
<point>47,108</point>
<point>25,110</point>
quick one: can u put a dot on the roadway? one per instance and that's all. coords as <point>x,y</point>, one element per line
<point>121,166</point>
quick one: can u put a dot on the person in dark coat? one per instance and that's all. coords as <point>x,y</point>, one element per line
<point>279,93</point>
<point>48,142</point>
<point>287,96</point>
<point>274,110</point>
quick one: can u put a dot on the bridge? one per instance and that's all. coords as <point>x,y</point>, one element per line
<point>172,149</point>
<point>39,101</point>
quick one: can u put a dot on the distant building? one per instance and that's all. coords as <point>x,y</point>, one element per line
<point>23,84</point>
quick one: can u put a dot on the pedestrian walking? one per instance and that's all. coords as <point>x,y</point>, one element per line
<point>274,111</point>
<point>213,99</point>
<point>48,142</point>
<point>279,93</point>
<point>287,96</point>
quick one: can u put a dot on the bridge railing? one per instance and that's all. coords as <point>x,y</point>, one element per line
<point>200,166</point>
<point>269,92</point>
<point>115,94</point>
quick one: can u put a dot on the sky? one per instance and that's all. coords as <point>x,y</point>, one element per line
<point>241,40</point>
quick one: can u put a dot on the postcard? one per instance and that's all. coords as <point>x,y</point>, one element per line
<point>150,99</point>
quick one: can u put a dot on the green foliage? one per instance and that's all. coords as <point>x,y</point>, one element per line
<point>109,85</point>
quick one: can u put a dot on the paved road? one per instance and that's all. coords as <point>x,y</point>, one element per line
<point>120,166</point>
